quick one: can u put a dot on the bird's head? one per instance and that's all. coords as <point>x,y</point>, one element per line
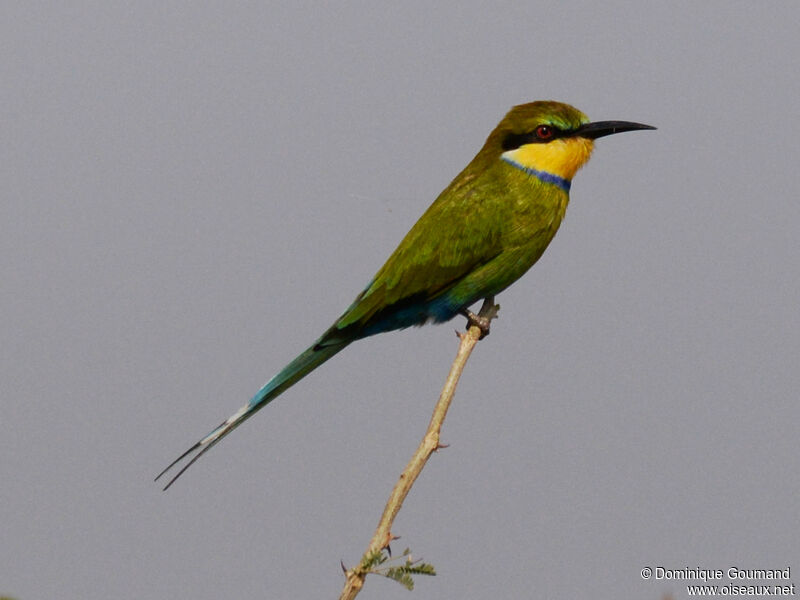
<point>550,138</point>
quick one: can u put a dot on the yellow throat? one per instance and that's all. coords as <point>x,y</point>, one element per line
<point>562,157</point>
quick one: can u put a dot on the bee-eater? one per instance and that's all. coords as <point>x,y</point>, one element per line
<point>487,228</point>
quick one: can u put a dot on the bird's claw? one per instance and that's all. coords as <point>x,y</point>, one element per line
<point>482,322</point>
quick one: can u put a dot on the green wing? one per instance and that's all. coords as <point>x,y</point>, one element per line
<point>458,233</point>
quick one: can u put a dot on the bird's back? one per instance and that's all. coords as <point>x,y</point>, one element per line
<point>488,227</point>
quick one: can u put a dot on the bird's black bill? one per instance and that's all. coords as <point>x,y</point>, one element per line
<point>603,128</point>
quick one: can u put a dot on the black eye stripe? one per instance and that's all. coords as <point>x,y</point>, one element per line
<point>512,141</point>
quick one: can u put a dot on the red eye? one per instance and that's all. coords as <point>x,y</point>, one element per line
<point>544,132</point>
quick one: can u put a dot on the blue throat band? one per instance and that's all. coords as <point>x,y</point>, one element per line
<point>544,176</point>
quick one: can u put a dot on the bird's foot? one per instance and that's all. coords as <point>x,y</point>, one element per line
<point>484,318</point>
<point>482,323</point>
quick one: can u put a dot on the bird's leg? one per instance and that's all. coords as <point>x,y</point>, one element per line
<point>484,317</point>
<point>481,322</point>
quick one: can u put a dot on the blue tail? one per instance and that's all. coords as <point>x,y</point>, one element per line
<point>291,374</point>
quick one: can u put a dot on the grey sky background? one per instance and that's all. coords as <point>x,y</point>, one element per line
<point>192,193</point>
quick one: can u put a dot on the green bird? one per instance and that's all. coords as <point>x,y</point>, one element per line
<point>483,232</point>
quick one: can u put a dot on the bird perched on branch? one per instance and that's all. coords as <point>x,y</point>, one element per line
<point>483,232</point>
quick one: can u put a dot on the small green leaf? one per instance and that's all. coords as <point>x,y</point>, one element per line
<point>372,563</point>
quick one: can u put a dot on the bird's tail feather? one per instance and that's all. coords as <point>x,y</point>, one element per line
<point>291,374</point>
